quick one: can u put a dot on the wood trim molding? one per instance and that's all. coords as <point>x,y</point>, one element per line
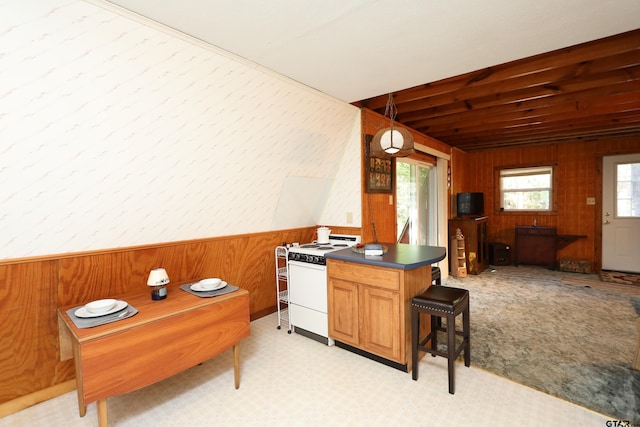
<point>28,400</point>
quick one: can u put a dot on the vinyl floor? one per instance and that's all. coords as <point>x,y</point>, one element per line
<point>291,380</point>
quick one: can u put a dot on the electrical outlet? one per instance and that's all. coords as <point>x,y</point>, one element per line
<point>390,200</point>
<point>591,200</point>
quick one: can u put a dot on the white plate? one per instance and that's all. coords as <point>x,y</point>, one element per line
<point>198,288</point>
<point>210,283</point>
<point>83,312</point>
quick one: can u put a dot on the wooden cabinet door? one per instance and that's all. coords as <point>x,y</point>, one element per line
<point>380,322</point>
<point>343,311</point>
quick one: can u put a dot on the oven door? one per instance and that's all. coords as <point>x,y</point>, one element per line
<point>308,285</point>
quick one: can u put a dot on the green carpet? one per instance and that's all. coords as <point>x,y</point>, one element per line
<point>575,343</point>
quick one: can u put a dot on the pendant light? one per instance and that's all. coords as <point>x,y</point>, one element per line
<point>392,141</point>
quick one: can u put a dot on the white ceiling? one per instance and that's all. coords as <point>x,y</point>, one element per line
<point>357,49</point>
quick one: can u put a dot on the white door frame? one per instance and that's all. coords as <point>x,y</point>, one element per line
<point>442,168</point>
<point>443,213</point>
<point>620,235</point>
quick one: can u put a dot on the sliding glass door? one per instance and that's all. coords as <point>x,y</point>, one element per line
<point>416,204</point>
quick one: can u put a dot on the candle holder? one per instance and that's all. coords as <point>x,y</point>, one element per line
<point>158,280</point>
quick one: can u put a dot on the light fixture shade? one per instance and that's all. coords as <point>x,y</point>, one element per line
<point>392,142</point>
<point>158,277</point>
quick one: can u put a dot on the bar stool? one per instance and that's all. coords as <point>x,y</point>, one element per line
<point>435,275</point>
<point>436,280</point>
<point>448,302</point>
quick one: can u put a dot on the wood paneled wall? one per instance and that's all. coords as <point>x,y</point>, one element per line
<point>458,165</point>
<point>32,289</point>
<point>578,166</point>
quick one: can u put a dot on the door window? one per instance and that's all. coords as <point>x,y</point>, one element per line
<point>628,190</point>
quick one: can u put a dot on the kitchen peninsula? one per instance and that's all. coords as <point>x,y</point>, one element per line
<point>370,299</point>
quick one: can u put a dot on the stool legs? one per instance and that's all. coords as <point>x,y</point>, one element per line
<point>415,332</point>
<point>451,351</point>
<point>436,324</point>
<point>466,331</point>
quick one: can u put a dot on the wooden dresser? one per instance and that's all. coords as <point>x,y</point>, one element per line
<point>536,246</point>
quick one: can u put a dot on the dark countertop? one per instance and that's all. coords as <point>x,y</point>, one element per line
<point>399,255</point>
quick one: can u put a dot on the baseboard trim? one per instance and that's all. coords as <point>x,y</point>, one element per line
<point>28,400</point>
<point>259,314</point>
<point>398,366</point>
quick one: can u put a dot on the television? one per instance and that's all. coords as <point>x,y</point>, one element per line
<point>470,204</point>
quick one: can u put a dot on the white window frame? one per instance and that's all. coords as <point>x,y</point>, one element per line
<point>527,171</point>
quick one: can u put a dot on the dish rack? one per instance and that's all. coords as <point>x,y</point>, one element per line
<point>282,286</point>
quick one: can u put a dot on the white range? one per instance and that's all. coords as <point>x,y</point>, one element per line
<point>308,286</point>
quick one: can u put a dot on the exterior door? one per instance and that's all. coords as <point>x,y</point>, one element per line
<point>621,213</point>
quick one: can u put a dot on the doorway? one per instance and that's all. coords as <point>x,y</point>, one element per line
<point>621,213</point>
<point>416,203</point>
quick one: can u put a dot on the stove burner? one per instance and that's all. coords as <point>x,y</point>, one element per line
<point>314,252</point>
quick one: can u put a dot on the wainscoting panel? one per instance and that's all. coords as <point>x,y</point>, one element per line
<point>32,289</point>
<point>29,332</point>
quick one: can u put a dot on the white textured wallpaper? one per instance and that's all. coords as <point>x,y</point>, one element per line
<point>114,133</point>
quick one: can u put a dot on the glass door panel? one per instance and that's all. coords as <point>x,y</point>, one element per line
<point>416,203</point>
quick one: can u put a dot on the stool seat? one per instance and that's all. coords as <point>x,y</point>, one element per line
<point>441,298</point>
<point>439,302</point>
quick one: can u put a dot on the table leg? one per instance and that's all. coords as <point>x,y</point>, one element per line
<point>236,365</point>
<point>103,420</point>
<point>82,408</point>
